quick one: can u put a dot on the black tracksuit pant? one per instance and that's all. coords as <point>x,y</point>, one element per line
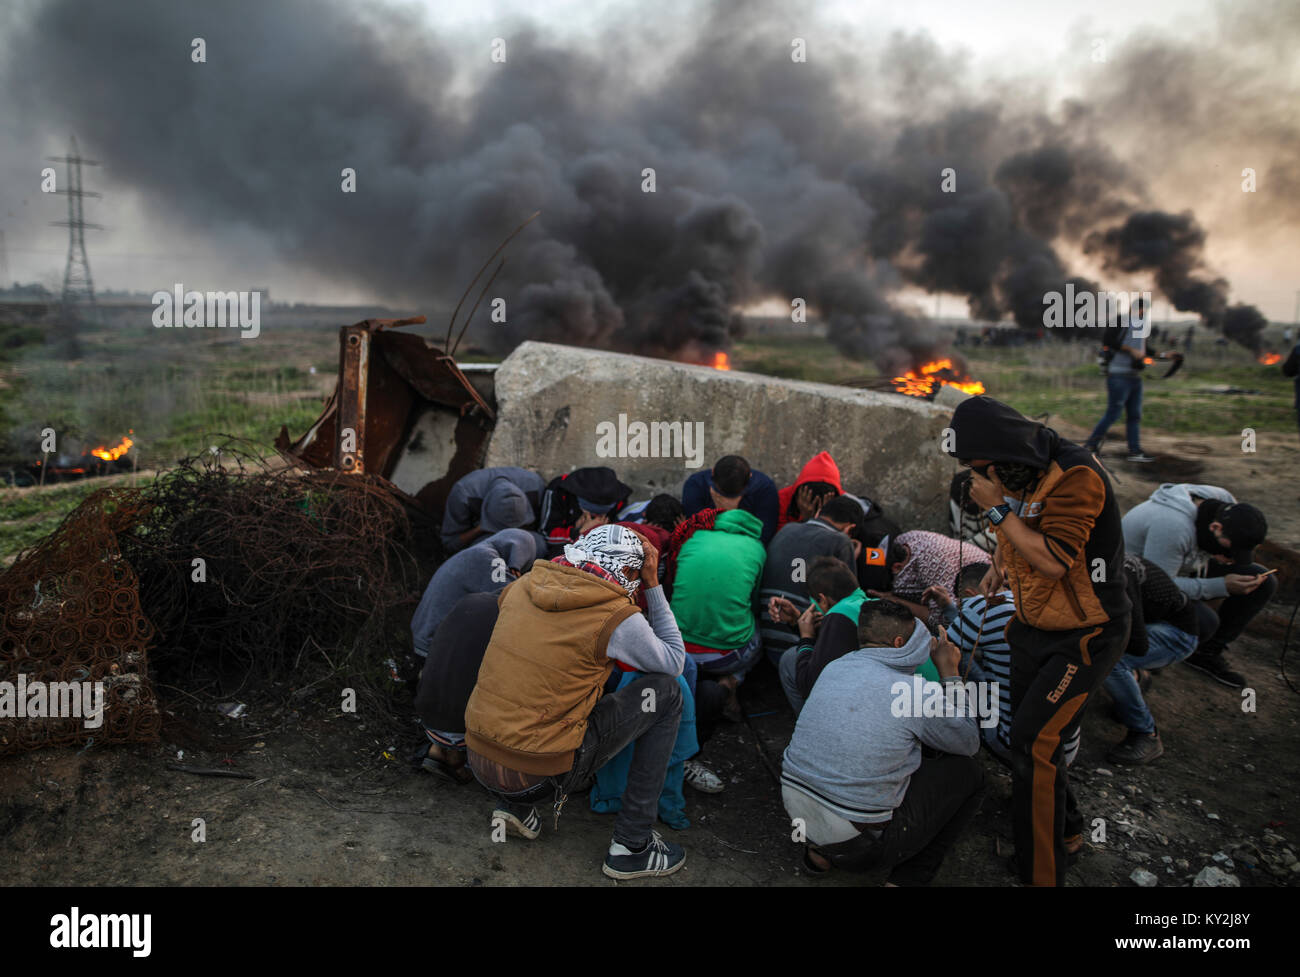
<point>1053,674</point>
<point>1220,628</point>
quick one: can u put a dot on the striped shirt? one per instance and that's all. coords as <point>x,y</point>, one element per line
<point>970,623</point>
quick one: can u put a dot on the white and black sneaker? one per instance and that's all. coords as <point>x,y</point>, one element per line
<point>658,857</point>
<point>701,778</point>
<point>519,819</point>
<point>1140,456</point>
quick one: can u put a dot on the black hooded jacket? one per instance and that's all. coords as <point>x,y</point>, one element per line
<point>988,428</point>
<point>1072,505</point>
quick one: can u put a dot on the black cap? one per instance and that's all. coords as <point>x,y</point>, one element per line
<point>1246,527</point>
<point>597,485</point>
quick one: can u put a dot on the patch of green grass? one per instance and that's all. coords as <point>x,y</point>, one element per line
<point>28,515</point>
<point>798,358</point>
<point>192,432</point>
<point>169,399</point>
<point>1063,380</point>
<point>264,378</point>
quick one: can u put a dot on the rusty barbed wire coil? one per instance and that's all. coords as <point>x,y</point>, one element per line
<point>301,571</point>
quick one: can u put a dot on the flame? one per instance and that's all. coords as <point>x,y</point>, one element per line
<point>114,453</point>
<point>925,382</point>
<point>1147,360</point>
<point>1269,359</point>
<point>721,361</point>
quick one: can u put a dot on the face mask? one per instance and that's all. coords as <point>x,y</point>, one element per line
<point>1017,477</point>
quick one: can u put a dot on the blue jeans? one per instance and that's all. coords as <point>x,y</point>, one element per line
<point>1165,645</point>
<point>788,670</point>
<point>1123,395</point>
<point>737,661</point>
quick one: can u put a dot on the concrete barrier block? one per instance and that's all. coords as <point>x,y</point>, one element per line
<point>563,407</point>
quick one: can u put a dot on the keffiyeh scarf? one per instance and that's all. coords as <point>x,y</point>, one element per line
<point>610,549</point>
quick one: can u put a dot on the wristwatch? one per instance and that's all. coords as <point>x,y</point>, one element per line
<point>998,513</point>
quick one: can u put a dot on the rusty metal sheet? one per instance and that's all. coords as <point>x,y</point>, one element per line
<point>391,393</point>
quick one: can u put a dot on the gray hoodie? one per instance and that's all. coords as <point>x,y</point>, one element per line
<point>850,752</point>
<point>1163,530</point>
<point>480,569</point>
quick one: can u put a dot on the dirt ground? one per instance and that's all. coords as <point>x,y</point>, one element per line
<point>335,800</point>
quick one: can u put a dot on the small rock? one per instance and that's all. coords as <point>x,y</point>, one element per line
<point>1139,856</point>
<point>1182,864</point>
<point>1212,817</point>
<point>1167,859</point>
<point>1220,857</point>
<point>1197,803</point>
<point>1288,857</point>
<point>1144,878</point>
<point>1102,793</point>
<point>1164,839</point>
<point>1103,772</point>
<point>1214,877</point>
<point>1273,838</point>
<point>1249,768</point>
<point>1132,790</point>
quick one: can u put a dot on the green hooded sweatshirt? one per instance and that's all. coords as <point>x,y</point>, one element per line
<point>718,571</point>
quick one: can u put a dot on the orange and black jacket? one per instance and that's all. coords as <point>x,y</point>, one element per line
<point>1072,505</point>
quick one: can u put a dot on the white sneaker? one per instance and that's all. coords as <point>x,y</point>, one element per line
<point>702,778</point>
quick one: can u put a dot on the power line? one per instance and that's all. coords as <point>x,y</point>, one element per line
<point>78,286</point>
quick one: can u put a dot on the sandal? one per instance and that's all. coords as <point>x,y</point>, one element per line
<point>445,763</point>
<point>811,867</point>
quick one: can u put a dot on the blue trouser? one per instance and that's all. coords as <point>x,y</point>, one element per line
<point>1123,395</point>
<point>736,661</point>
<point>1165,645</point>
<point>611,779</point>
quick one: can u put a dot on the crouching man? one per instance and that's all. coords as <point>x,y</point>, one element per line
<point>537,725</point>
<point>854,777</point>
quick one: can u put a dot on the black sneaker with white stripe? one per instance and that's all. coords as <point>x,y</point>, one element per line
<point>520,819</point>
<point>658,857</point>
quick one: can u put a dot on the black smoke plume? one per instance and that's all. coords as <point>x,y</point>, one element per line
<point>1171,246</point>
<point>821,180</point>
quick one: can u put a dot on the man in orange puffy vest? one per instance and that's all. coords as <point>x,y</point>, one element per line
<point>538,722</point>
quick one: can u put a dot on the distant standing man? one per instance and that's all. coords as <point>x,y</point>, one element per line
<point>1124,384</point>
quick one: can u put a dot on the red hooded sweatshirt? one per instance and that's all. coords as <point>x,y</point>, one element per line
<point>820,468</point>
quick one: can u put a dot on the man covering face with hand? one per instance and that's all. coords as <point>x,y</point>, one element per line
<point>1060,550</point>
